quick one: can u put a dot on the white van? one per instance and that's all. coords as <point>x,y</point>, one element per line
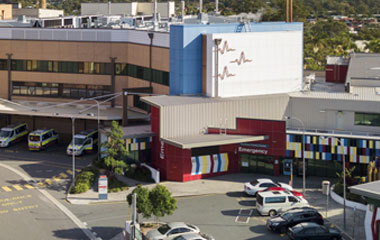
<point>274,202</point>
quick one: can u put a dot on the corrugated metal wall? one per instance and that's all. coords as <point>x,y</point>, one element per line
<point>323,114</point>
<point>193,119</point>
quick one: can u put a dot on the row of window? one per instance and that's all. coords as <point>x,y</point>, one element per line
<point>157,76</point>
<point>61,67</point>
<point>124,69</point>
<point>367,119</point>
<point>75,91</point>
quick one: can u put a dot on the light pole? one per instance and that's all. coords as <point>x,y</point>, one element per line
<point>303,154</point>
<point>344,182</point>
<point>73,146</point>
<point>98,104</point>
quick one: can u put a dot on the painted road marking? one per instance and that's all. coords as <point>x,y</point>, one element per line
<point>57,179</point>
<point>243,215</point>
<point>78,170</point>
<point>71,173</point>
<point>48,181</point>
<point>31,187</point>
<point>41,185</point>
<point>17,187</point>
<point>7,189</point>
<point>65,175</point>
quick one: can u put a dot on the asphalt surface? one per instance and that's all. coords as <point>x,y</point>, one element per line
<point>25,213</point>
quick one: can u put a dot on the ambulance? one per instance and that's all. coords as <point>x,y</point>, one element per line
<point>41,139</point>
<point>12,134</point>
<point>83,142</point>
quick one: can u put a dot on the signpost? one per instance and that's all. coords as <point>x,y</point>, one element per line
<point>103,187</point>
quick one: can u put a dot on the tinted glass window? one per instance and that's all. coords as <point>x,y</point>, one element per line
<point>293,199</point>
<point>259,198</point>
<point>275,199</point>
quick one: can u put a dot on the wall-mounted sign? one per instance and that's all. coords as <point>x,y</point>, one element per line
<point>254,145</point>
<point>253,150</point>
<point>162,153</point>
<point>103,187</point>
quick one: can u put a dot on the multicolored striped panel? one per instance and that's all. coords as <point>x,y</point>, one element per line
<point>134,144</point>
<point>332,148</point>
<point>204,164</point>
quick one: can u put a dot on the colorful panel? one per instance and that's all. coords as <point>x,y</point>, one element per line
<point>134,144</point>
<point>319,148</point>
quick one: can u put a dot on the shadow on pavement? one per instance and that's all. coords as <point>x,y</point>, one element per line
<point>248,203</point>
<point>237,194</point>
<point>74,233</point>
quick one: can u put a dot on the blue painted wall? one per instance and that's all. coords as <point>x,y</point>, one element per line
<point>186,51</point>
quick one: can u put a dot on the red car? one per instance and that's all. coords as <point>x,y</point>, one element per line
<point>295,193</point>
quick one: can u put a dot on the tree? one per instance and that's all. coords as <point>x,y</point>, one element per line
<point>143,203</point>
<point>162,201</point>
<point>115,150</point>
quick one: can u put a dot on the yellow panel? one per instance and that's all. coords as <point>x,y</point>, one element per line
<point>365,159</point>
<point>333,150</point>
<point>314,140</point>
<point>351,159</point>
<point>143,145</point>
<point>204,159</point>
<point>317,155</point>
<point>226,162</point>
<point>287,146</point>
<point>354,151</point>
<point>371,144</point>
<point>324,141</point>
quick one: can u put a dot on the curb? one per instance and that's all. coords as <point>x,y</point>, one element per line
<point>349,203</point>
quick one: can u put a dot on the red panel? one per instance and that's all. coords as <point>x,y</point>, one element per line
<point>330,73</point>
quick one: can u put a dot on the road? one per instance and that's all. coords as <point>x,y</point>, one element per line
<point>25,213</point>
<point>224,216</point>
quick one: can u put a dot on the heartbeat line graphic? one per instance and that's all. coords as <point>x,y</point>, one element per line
<point>225,74</point>
<point>241,60</point>
<point>225,48</point>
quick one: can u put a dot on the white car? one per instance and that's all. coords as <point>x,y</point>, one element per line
<point>171,230</point>
<point>193,236</point>
<point>251,188</point>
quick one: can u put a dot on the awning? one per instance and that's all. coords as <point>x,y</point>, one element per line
<point>370,189</point>
<point>73,110</point>
<point>208,140</point>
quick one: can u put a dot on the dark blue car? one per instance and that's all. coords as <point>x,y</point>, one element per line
<point>313,231</point>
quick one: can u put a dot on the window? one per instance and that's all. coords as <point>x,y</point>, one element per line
<point>275,200</point>
<point>3,64</point>
<point>367,119</point>
<point>293,199</point>
<point>59,90</point>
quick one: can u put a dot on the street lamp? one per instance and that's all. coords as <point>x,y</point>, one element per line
<point>98,104</point>
<point>344,181</point>
<point>72,147</point>
<point>303,154</point>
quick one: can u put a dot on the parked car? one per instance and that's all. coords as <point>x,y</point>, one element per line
<point>312,231</point>
<point>292,217</point>
<point>193,236</point>
<point>295,193</point>
<point>276,202</point>
<point>251,188</point>
<point>172,229</point>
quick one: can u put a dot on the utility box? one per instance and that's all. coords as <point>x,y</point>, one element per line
<point>325,187</point>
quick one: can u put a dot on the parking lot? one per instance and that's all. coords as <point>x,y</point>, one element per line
<point>224,216</point>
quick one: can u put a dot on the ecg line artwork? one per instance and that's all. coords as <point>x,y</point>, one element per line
<point>225,48</point>
<point>225,74</point>
<point>241,60</point>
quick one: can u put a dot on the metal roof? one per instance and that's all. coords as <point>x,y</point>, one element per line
<point>138,131</point>
<point>371,189</point>
<point>75,110</point>
<point>364,94</point>
<point>364,69</point>
<point>207,140</point>
<point>165,100</point>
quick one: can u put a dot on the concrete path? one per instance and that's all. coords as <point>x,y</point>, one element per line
<point>234,183</point>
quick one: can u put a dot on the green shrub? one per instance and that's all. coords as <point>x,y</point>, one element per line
<point>338,189</point>
<point>140,173</point>
<point>85,180</point>
<point>114,185</point>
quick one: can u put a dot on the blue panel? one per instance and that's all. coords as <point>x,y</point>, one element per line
<point>186,51</point>
<point>377,152</point>
<point>219,163</point>
<point>198,165</point>
<point>320,148</point>
<point>367,151</point>
<point>287,153</point>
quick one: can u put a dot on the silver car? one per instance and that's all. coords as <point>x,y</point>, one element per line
<point>171,230</point>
